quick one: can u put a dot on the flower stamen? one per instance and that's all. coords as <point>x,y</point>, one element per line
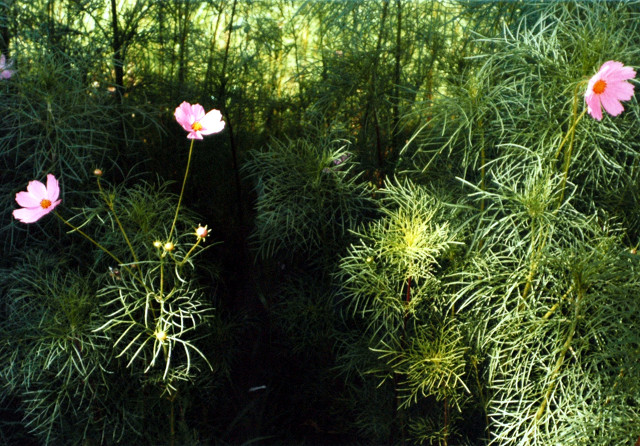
<point>44,204</point>
<point>196,126</point>
<point>599,86</point>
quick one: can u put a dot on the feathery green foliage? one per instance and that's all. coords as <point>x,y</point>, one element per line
<point>446,242</point>
<point>308,197</point>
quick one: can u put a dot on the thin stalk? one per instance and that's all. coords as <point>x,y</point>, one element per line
<point>549,313</point>
<point>483,161</point>
<point>534,264</point>
<point>574,113</point>
<point>183,261</point>
<point>569,136</point>
<point>184,182</point>
<point>105,250</point>
<point>162,277</point>
<point>567,156</point>
<point>109,203</point>
<point>558,366</point>
<point>78,230</point>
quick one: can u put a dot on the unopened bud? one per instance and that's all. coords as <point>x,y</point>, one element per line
<point>161,335</point>
<point>202,231</point>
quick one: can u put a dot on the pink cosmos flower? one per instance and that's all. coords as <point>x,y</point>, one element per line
<point>608,87</point>
<point>193,119</point>
<point>5,72</point>
<point>38,200</point>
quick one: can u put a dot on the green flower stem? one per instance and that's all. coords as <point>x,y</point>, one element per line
<point>569,133</point>
<point>569,136</point>
<point>105,250</point>
<point>162,277</point>
<point>189,253</point>
<point>78,230</point>
<point>537,254</point>
<point>567,156</point>
<point>552,310</point>
<point>574,113</point>
<point>483,161</point>
<point>559,362</point>
<point>109,203</point>
<point>184,182</point>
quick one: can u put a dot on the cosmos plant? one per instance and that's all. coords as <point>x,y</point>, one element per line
<point>151,306</point>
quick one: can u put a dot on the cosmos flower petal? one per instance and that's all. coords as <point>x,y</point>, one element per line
<point>611,104</point>
<point>611,65</point>
<point>197,111</point>
<point>26,200</point>
<point>37,189</point>
<point>593,106</point>
<point>184,116</point>
<point>624,74</point>
<point>53,189</point>
<point>623,91</point>
<point>212,122</point>
<point>29,215</point>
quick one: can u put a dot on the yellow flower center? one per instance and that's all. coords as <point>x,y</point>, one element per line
<point>45,203</point>
<point>599,86</point>
<point>196,126</point>
<point>161,335</point>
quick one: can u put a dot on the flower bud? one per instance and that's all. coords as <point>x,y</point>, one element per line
<point>202,231</point>
<point>157,244</point>
<point>161,335</point>
<point>97,172</point>
<point>169,246</point>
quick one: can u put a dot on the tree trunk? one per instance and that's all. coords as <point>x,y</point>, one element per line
<point>118,56</point>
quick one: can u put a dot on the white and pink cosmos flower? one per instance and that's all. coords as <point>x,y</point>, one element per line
<point>38,200</point>
<point>607,88</point>
<point>193,119</point>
